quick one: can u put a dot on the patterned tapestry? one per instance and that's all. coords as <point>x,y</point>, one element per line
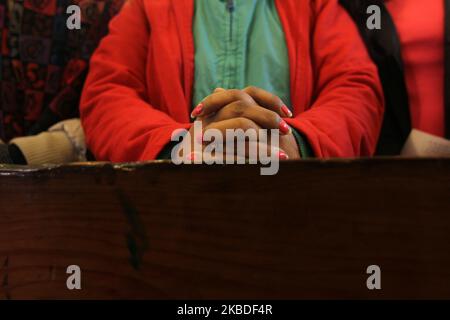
<point>42,63</point>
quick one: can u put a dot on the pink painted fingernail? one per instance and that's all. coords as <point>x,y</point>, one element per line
<point>191,157</point>
<point>282,155</point>
<point>197,111</point>
<point>286,111</point>
<point>284,128</point>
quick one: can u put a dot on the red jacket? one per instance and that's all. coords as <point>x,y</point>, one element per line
<point>139,89</point>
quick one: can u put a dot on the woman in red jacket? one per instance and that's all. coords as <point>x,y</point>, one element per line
<point>307,70</point>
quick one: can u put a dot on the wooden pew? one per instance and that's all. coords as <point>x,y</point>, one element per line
<point>157,230</point>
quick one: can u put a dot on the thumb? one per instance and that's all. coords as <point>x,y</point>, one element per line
<point>219,90</point>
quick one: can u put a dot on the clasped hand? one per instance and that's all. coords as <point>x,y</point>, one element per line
<point>250,108</point>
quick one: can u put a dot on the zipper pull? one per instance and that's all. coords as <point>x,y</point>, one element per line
<point>230,5</point>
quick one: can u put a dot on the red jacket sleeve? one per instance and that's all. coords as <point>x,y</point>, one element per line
<point>114,99</point>
<point>346,115</point>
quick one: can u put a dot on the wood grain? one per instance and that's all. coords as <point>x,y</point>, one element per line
<point>162,231</point>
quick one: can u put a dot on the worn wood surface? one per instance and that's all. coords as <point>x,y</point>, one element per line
<point>164,231</point>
